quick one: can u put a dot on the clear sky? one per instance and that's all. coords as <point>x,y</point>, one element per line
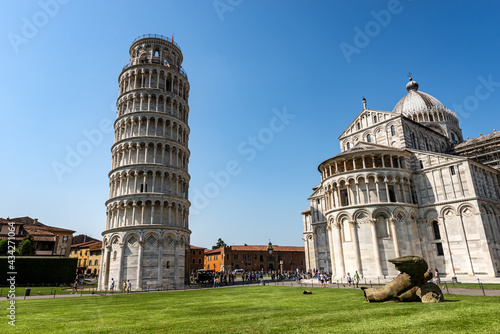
<point>273,85</point>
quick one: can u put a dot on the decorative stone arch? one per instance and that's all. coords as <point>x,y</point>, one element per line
<point>361,216</point>
<point>319,229</point>
<point>399,213</point>
<point>148,238</point>
<point>447,211</point>
<point>466,209</point>
<point>346,144</point>
<point>341,215</point>
<point>380,211</point>
<point>369,175</point>
<point>350,178</point>
<point>114,239</point>
<point>132,238</point>
<point>361,177</point>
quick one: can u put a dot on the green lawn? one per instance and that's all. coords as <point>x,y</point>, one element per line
<point>257,309</point>
<point>486,286</point>
<point>44,290</point>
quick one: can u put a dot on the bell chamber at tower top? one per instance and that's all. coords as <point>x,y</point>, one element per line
<point>157,50</point>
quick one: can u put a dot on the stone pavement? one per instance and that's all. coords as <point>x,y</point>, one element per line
<point>305,283</point>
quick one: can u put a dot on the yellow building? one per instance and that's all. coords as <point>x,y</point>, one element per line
<point>82,251</point>
<point>95,250</point>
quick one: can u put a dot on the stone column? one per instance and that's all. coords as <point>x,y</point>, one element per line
<point>139,265</point>
<point>392,224</point>
<point>132,221</point>
<point>355,239</point>
<point>160,263</point>
<point>119,278</point>
<point>125,215</point>
<point>350,195</point>
<point>329,230</point>
<point>176,263</point>
<point>403,190</point>
<point>358,198</point>
<point>338,250</point>
<point>104,269</point>
<point>387,190</point>
<point>464,236</point>
<point>376,251</point>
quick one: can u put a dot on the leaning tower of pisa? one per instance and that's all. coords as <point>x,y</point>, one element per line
<point>146,239</point>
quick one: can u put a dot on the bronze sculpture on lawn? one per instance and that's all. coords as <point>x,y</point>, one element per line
<point>411,285</point>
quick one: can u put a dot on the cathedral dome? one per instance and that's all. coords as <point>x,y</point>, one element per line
<point>416,102</point>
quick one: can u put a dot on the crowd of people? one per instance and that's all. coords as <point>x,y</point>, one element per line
<point>217,279</point>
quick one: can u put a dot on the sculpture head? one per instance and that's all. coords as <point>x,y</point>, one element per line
<point>414,266</point>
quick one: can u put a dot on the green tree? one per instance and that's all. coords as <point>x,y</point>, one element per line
<point>27,246</point>
<point>3,246</point>
<point>220,243</point>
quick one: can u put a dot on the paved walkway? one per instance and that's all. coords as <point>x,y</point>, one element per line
<point>304,283</point>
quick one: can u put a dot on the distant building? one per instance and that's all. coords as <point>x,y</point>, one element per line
<point>255,258</point>
<point>196,257</point>
<point>82,238</point>
<point>95,252</point>
<point>483,149</point>
<point>48,240</point>
<point>87,253</point>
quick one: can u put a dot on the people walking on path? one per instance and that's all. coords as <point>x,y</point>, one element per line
<point>112,285</point>
<point>349,279</point>
<point>356,279</point>
<point>75,287</point>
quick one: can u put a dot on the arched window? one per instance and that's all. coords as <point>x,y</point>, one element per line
<point>346,230</point>
<point>393,130</point>
<point>374,119</point>
<point>453,138</point>
<point>381,227</point>
<point>435,227</point>
<point>348,145</point>
<point>359,126</point>
<point>368,138</point>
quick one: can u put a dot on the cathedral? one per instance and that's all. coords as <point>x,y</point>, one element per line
<point>406,183</point>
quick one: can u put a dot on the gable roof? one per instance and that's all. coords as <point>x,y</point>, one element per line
<point>365,112</point>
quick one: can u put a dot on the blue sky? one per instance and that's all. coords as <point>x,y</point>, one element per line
<point>273,85</point>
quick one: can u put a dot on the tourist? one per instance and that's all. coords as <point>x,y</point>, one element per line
<point>129,286</point>
<point>356,279</point>
<point>437,280</point>
<point>349,279</point>
<point>124,286</point>
<point>112,286</point>
<point>75,287</point>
